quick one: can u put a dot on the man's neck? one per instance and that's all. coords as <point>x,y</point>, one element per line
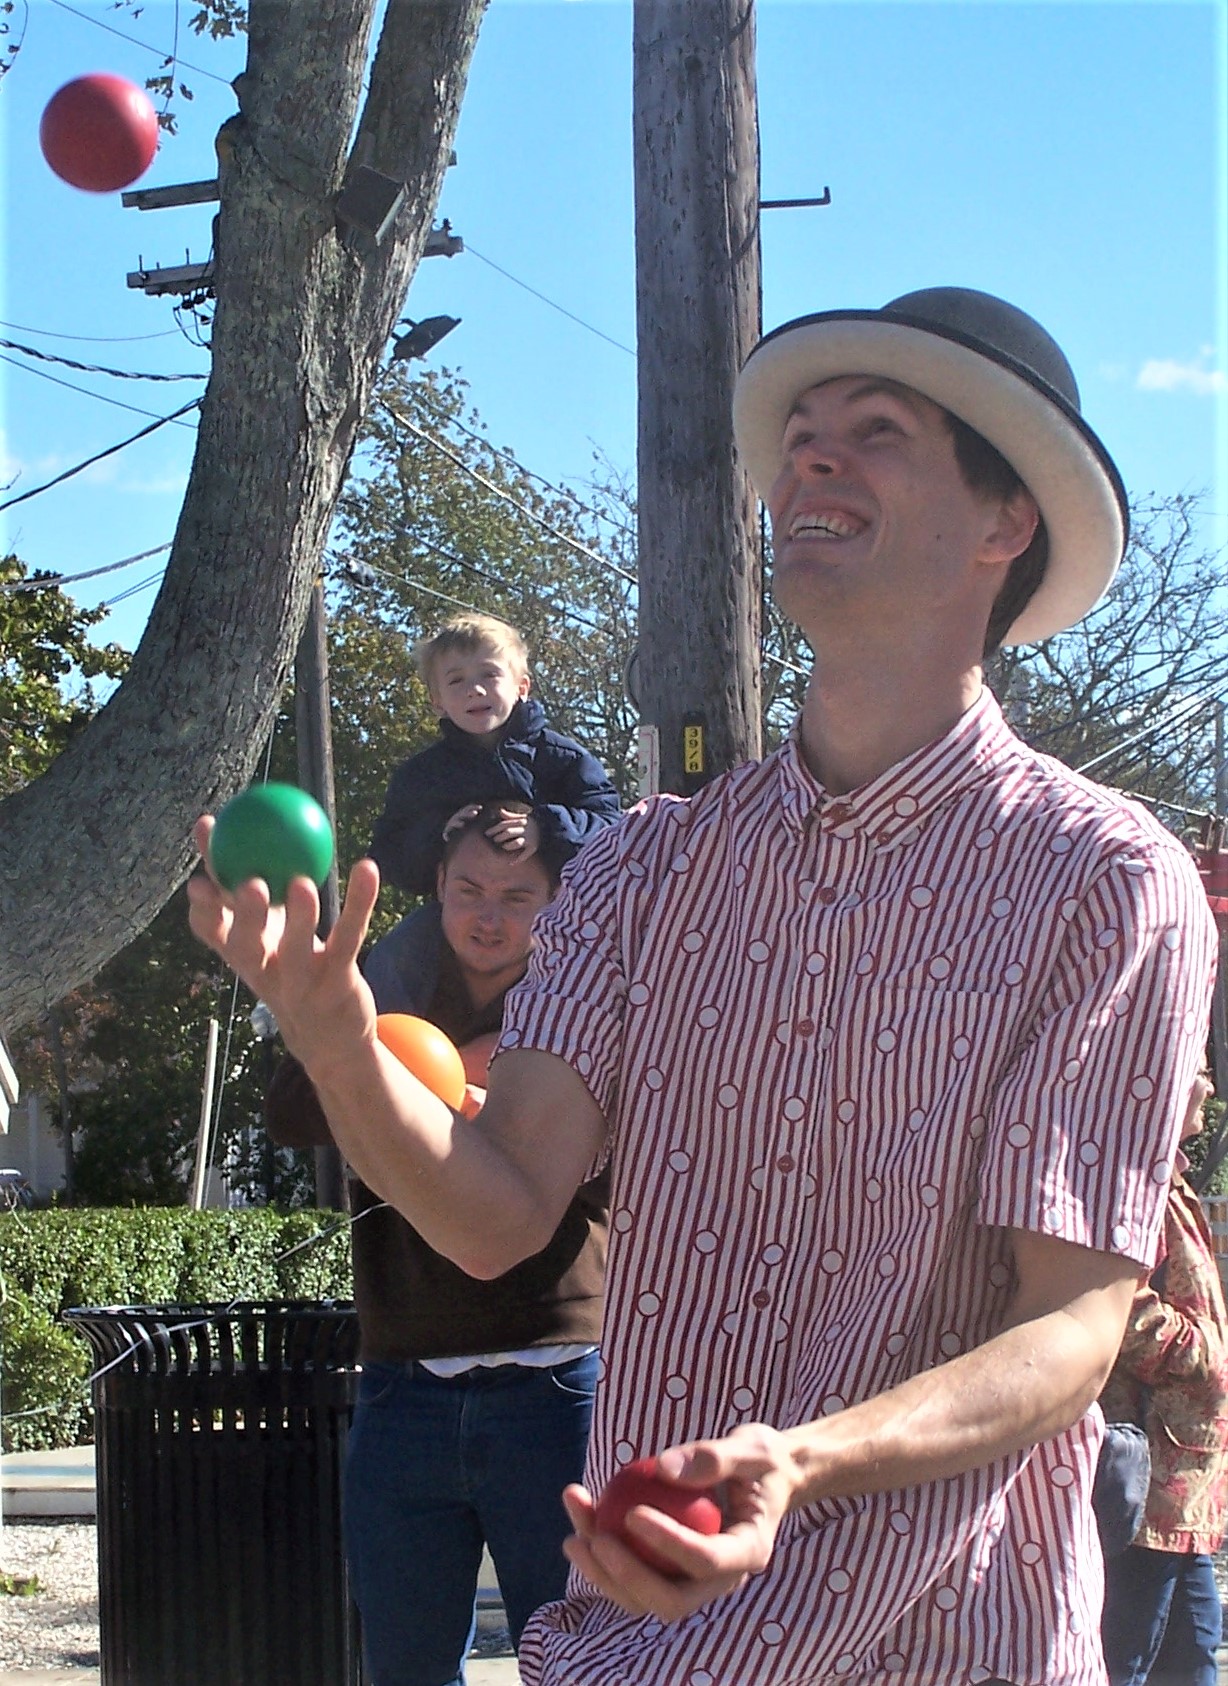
<point>482,988</point>
<point>860,718</point>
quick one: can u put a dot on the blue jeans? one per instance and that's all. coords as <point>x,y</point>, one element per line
<point>1161,1618</point>
<point>435,1468</point>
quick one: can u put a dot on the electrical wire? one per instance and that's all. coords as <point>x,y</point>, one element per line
<point>53,581</point>
<point>1188,709</point>
<point>93,339</point>
<point>109,452</point>
<point>563,538</point>
<point>116,403</point>
<point>559,491</point>
<point>570,314</point>
<point>196,69</point>
<point>94,368</point>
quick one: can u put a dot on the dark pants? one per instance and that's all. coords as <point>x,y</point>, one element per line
<point>1161,1618</point>
<point>437,1468</point>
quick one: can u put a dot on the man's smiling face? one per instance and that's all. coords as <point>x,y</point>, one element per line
<point>870,512</point>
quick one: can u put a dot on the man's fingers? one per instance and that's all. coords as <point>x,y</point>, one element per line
<point>202,831</point>
<point>361,894</point>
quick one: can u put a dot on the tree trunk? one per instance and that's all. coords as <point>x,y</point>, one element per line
<point>698,312</point>
<point>91,851</point>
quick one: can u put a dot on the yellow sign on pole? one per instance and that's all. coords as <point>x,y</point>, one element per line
<point>693,749</point>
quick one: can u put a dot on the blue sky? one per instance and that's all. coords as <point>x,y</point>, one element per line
<point>1068,156</point>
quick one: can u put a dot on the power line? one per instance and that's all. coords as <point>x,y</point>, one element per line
<point>116,403</point>
<point>196,69</point>
<point>618,345</point>
<point>132,591</point>
<point>94,368</point>
<point>54,581</point>
<point>109,452</point>
<point>507,456</point>
<point>93,339</point>
<point>563,538</point>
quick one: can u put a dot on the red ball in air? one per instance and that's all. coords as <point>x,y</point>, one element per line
<point>99,132</point>
<point>639,1484</point>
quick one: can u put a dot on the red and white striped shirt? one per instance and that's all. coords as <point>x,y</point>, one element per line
<point>842,1044</point>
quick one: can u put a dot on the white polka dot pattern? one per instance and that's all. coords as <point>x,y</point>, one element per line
<point>827,1107</point>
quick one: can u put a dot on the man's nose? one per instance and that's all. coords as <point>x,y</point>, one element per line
<point>816,453</point>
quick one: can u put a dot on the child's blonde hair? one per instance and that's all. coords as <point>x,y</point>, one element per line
<point>468,633</point>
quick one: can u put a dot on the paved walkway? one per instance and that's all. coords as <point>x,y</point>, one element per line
<point>61,1483</point>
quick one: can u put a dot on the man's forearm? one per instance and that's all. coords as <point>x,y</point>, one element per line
<point>1021,1387</point>
<point>446,1175</point>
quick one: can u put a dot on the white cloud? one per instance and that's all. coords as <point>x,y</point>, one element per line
<point>1166,374</point>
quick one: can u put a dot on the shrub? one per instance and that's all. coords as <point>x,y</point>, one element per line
<point>150,1256</point>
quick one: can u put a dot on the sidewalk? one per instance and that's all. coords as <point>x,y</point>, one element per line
<point>61,1484</point>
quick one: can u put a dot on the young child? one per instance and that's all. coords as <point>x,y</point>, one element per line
<point>494,743</point>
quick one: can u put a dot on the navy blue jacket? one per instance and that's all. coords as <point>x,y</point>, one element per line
<point>571,794</point>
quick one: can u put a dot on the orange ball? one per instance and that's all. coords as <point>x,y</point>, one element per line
<point>423,1049</point>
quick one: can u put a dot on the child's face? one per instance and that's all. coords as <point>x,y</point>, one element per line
<point>477,689</point>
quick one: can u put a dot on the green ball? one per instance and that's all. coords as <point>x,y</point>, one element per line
<point>275,832</point>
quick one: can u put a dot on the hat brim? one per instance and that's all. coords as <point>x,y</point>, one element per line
<point>1047,443</point>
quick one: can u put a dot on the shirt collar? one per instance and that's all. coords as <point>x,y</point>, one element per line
<point>897,805</point>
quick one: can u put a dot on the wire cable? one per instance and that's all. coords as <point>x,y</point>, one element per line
<point>507,497</point>
<point>560,491</point>
<point>55,580</point>
<point>109,452</point>
<point>93,339</point>
<point>196,69</point>
<point>570,314</point>
<point>116,403</point>
<point>94,368</point>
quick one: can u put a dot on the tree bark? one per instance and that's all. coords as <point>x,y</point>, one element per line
<point>90,851</point>
<point>698,315</point>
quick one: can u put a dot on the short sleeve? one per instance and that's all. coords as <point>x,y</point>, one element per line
<point>1084,1124</point>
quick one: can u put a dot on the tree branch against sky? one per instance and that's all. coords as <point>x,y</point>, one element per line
<point>91,850</point>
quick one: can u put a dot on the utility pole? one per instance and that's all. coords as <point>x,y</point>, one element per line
<point>314,737</point>
<point>698,316</point>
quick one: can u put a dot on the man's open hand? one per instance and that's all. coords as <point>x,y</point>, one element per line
<point>314,988</point>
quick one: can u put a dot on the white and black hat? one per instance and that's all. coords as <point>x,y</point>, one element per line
<point>997,370</point>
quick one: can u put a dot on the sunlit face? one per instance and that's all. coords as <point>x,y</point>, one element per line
<point>871,516</point>
<point>489,900</point>
<point>477,689</point>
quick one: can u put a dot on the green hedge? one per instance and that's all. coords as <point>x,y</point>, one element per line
<point>146,1256</point>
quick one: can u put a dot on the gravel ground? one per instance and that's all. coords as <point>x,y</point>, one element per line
<point>57,1627</point>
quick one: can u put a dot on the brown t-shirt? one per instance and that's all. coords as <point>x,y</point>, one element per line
<point>414,1303</point>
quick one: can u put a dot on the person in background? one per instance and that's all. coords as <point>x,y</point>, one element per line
<point>494,744</point>
<point>475,1397</point>
<point>1162,1617</point>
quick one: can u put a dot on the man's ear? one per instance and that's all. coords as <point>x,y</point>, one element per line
<point>440,875</point>
<point>1013,528</point>
<point>522,688</point>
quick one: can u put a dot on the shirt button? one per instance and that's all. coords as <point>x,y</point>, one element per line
<point>805,1027</point>
<point>827,895</point>
<point>762,1300</point>
<point>785,1162</point>
<point>837,814</point>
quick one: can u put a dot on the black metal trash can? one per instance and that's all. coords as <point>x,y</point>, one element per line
<point>221,1435</point>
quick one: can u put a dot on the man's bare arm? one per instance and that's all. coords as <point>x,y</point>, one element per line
<point>485,1192</point>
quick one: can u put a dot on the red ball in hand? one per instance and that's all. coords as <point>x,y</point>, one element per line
<point>639,1484</point>
<point>99,133</point>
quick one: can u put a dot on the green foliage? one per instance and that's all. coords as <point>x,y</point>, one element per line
<point>44,1372</point>
<point>46,663</point>
<point>52,1260</point>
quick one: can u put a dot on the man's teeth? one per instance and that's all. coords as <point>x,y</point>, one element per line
<point>829,526</point>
